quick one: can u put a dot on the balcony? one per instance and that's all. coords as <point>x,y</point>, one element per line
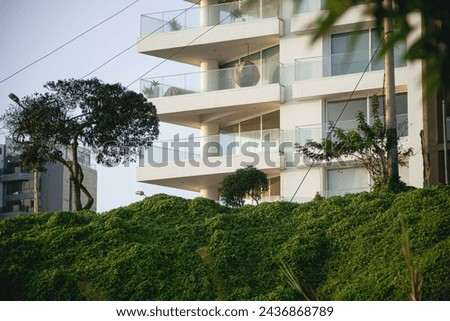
<point>221,145</point>
<point>342,64</point>
<point>306,14</point>
<point>23,176</point>
<point>215,32</point>
<point>339,73</point>
<point>317,132</point>
<point>327,193</point>
<point>19,196</point>
<point>15,210</point>
<point>214,95</point>
<point>197,162</point>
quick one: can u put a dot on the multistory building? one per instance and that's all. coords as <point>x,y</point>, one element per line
<point>54,186</point>
<point>263,85</point>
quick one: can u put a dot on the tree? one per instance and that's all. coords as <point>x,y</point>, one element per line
<point>432,45</point>
<point>368,144</point>
<point>115,123</point>
<point>31,158</point>
<point>247,182</point>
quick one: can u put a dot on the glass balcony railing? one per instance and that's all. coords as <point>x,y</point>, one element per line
<point>317,132</point>
<point>306,6</point>
<point>230,144</point>
<point>342,192</point>
<point>342,64</point>
<point>202,16</point>
<point>211,80</point>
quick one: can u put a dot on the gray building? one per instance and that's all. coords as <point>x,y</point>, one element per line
<point>55,193</point>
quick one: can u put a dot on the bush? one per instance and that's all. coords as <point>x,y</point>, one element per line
<point>244,183</point>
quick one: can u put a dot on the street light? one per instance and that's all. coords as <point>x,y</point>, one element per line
<point>141,193</point>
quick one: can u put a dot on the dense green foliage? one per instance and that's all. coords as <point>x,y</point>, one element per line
<point>247,182</point>
<point>168,248</point>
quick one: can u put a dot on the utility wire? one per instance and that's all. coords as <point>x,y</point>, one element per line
<point>142,39</point>
<point>187,45</point>
<point>68,42</point>
<point>337,119</point>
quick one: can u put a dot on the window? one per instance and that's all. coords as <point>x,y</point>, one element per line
<point>347,180</point>
<point>349,52</point>
<point>267,61</point>
<point>304,6</point>
<point>352,51</point>
<point>347,119</point>
<point>274,189</point>
<point>257,129</point>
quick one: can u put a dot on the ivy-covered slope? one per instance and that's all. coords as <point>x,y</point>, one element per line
<point>169,248</point>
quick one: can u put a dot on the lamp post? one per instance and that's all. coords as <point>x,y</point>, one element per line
<point>16,99</point>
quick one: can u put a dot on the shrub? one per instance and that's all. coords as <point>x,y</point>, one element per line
<point>244,183</point>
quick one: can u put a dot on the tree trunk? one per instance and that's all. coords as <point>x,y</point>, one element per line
<point>83,188</point>
<point>75,173</point>
<point>77,182</point>
<point>76,192</point>
<point>391,110</point>
<point>35,192</point>
<point>90,201</point>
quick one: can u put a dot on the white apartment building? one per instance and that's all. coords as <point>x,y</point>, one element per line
<point>290,93</point>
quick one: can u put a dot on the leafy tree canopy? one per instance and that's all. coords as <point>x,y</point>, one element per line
<point>247,182</point>
<point>115,123</point>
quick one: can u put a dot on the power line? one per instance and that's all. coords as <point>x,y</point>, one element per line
<point>143,38</point>
<point>187,45</point>
<point>337,119</point>
<point>68,42</point>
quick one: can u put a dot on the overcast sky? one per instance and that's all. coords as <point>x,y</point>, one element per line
<point>30,29</point>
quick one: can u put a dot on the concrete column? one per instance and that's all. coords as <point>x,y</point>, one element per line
<point>209,132</point>
<point>209,79</point>
<point>211,192</point>
<point>209,13</point>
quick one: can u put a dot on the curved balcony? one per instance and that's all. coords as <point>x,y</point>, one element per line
<point>216,32</point>
<point>196,162</point>
<point>213,95</point>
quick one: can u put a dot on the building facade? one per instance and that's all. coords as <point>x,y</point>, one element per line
<point>55,194</point>
<point>264,85</point>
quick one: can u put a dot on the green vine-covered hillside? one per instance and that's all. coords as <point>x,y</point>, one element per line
<point>169,248</point>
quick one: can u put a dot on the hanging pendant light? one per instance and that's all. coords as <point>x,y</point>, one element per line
<point>246,73</point>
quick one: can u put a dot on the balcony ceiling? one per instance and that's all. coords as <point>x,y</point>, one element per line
<point>220,107</point>
<point>222,116</point>
<point>221,43</point>
<point>195,182</point>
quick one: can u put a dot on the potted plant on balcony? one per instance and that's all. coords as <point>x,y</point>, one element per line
<point>174,25</point>
<point>153,90</point>
<point>236,15</point>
